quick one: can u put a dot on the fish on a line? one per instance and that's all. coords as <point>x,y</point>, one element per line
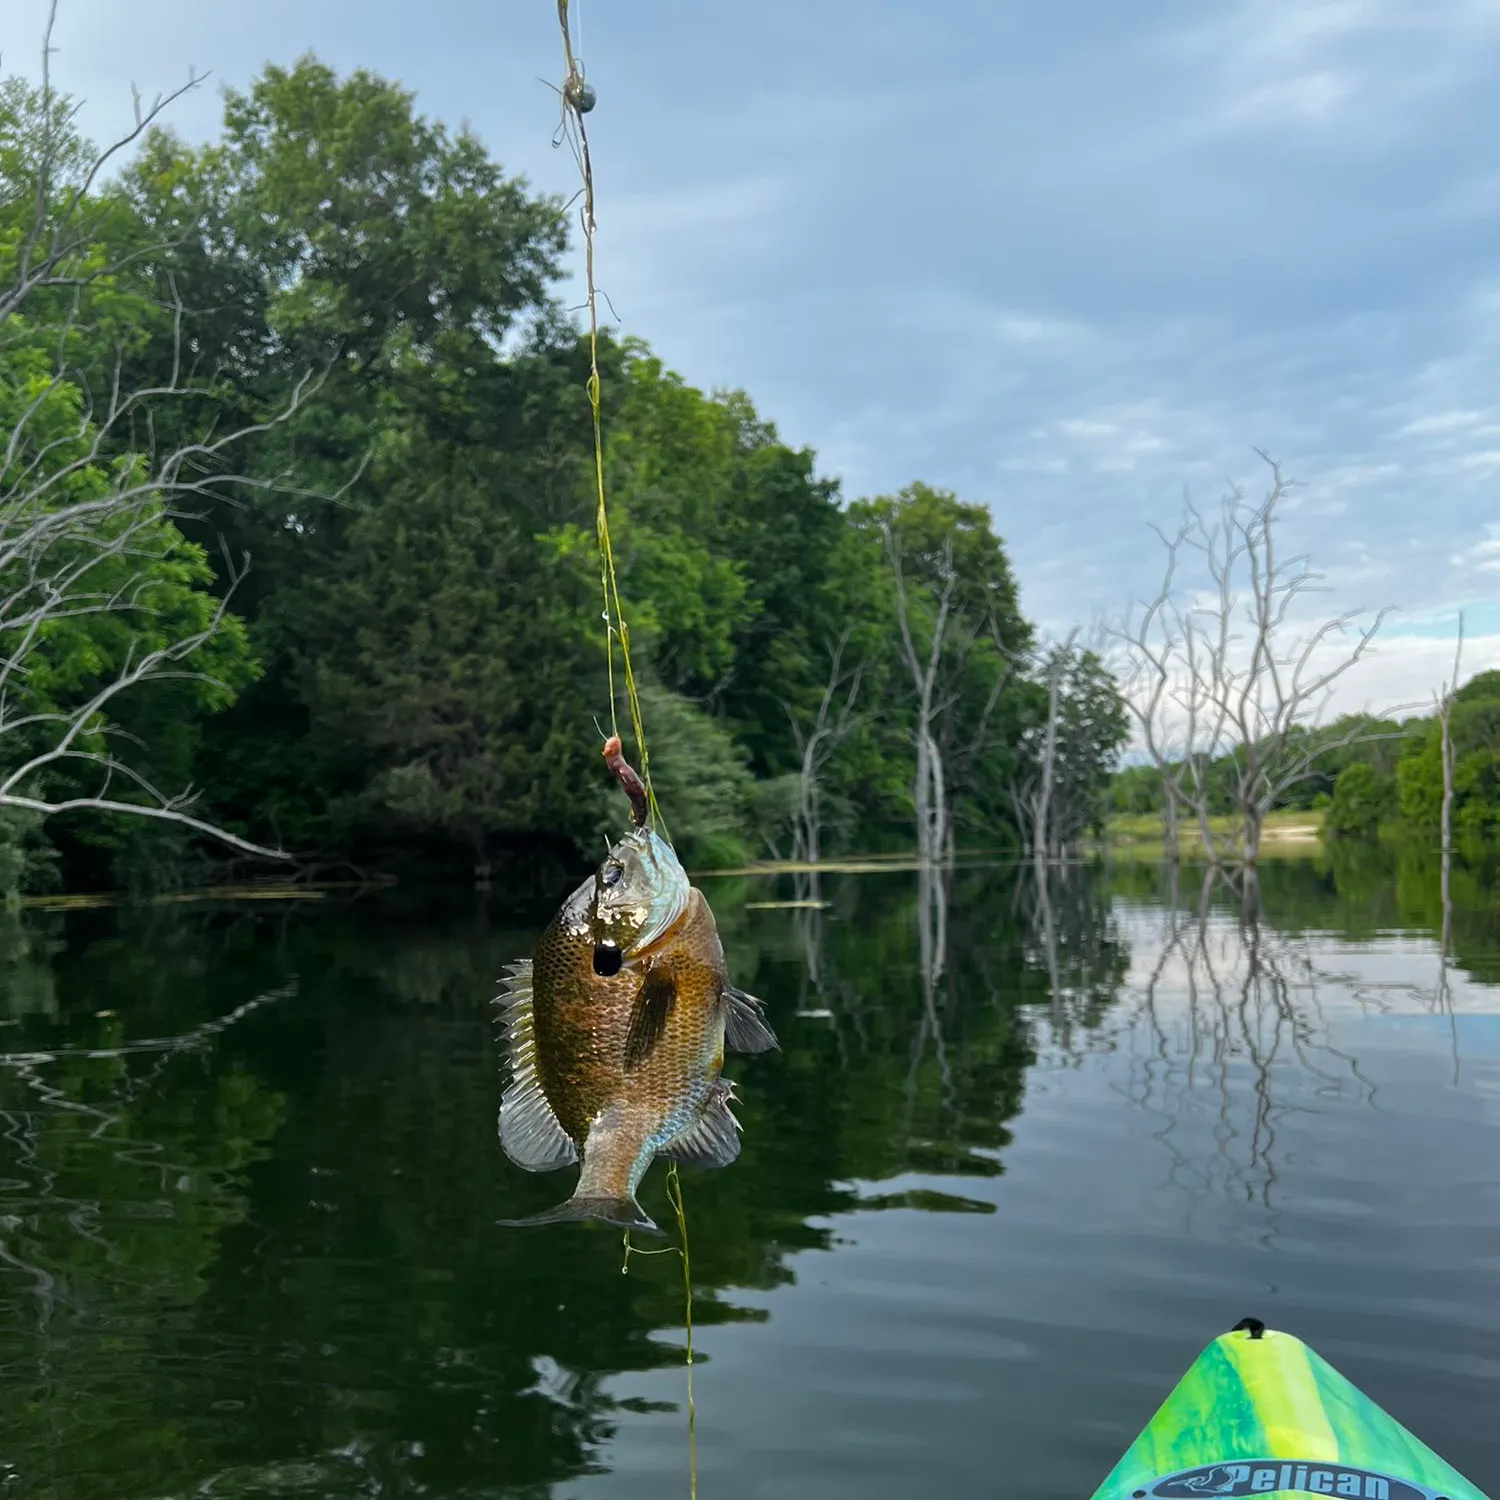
<point>616,1029</point>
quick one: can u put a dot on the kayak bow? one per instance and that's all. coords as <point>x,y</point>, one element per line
<point>1259,1413</point>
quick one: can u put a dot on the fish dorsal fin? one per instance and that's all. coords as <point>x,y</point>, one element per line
<point>745,1028</point>
<point>653,1004</point>
<point>714,1140</point>
<point>529,1131</point>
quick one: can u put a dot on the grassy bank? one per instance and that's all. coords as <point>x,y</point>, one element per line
<point>1285,833</point>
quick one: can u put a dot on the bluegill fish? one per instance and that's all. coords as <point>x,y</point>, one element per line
<point>616,1030</point>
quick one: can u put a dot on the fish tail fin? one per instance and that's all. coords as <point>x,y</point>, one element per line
<point>623,1213</point>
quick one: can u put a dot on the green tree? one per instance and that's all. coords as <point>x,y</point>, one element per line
<point>357,306</point>
<point>370,244</point>
<point>1362,800</point>
<point>450,671</point>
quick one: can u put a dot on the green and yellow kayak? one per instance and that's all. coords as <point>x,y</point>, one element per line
<point>1259,1413</point>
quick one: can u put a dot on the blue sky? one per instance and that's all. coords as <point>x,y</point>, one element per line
<point>1064,259</point>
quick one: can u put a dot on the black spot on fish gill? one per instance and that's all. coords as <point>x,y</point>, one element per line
<point>653,1004</point>
<point>607,958</point>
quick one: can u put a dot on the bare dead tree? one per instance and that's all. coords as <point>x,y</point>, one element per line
<point>1065,757</point>
<point>1444,705</point>
<point>1445,859</point>
<point>1203,737</point>
<point>89,498</point>
<point>1156,684</point>
<point>832,722</point>
<point>947,748</point>
<point>1249,680</point>
<point>57,247</point>
<point>960,756</point>
<point>1039,815</point>
<point>929,791</point>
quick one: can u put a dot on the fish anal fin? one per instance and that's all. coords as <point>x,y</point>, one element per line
<point>713,1140</point>
<point>530,1133</point>
<point>648,1020</point>
<point>745,1025</point>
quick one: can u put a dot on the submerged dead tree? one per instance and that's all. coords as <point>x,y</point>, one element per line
<point>958,630</point>
<point>1067,751</point>
<point>1033,798</point>
<point>929,786</point>
<point>1445,699</point>
<point>1247,675</point>
<point>817,739</point>
<point>1444,708</point>
<point>1151,648</point>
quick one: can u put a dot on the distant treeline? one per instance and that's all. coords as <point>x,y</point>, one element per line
<point>411,666</point>
<point>1375,774</point>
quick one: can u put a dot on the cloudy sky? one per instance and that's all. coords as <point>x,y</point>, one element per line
<point>1066,259</point>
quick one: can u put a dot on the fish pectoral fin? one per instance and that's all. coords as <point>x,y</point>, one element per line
<point>530,1133</point>
<point>714,1140</point>
<point>745,1026</point>
<point>648,1018</point>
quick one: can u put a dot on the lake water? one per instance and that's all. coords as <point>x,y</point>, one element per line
<point>1017,1161</point>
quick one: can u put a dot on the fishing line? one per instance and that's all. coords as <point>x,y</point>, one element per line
<point>674,1192</point>
<point>577,101</point>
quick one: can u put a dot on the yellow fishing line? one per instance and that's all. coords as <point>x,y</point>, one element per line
<point>576,102</point>
<point>674,1192</point>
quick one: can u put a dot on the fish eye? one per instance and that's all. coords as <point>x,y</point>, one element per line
<point>607,959</point>
<point>612,873</point>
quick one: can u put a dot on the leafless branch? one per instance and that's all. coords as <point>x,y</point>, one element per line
<point>58,244</point>
<point>834,720</point>
<point>90,492</point>
<point>1156,648</point>
<point>1247,685</point>
<point>930,787</point>
<point>1444,706</point>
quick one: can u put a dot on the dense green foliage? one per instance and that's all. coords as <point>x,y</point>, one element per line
<point>415,665</point>
<point>1475,729</point>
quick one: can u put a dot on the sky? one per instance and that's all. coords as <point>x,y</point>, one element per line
<point>1072,261</point>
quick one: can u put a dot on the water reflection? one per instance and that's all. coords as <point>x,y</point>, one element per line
<point>1230,1002</point>
<point>248,1184</point>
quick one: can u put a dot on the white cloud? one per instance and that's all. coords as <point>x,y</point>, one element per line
<point>1361,72</point>
<point>1310,97</point>
<point>1443,423</point>
<point>1485,555</point>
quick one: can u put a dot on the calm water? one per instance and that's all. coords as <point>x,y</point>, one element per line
<point>1017,1162</point>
